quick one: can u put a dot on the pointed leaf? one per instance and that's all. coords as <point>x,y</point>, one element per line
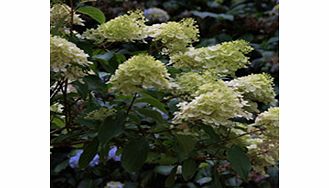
<point>170,181</point>
<point>152,101</point>
<point>239,161</point>
<point>89,152</point>
<point>134,154</point>
<point>111,127</point>
<point>93,12</point>
<point>188,169</point>
<point>216,183</point>
<point>211,132</point>
<point>184,145</point>
<point>156,116</point>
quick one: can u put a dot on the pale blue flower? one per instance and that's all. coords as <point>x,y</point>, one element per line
<point>74,160</point>
<point>112,154</point>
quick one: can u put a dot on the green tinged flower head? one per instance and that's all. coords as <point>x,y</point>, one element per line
<point>269,120</point>
<point>57,107</point>
<point>213,107</point>
<point>224,59</point>
<point>255,87</point>
<point>66,58</point>
<point>140,71</point>
<point>263,152</point>
<point>100,114</point>
<point>125,28</point>
<point>189,83</point>
<point>263,143</point>
<point>218,86</point>
<point>61,14</point>
<point>175,36</point>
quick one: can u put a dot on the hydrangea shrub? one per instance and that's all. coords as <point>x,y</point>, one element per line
<point>177,114</point>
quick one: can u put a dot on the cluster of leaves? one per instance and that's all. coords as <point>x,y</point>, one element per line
<point>172,124</point>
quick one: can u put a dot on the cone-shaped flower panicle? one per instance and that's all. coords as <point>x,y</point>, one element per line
<point>224,59</point>
<point>255,87</point>
<point>269,120</point>
<point>214,107</point>
<point>60,14</point>
<point>66,58</point>
<point>125,28</point>
<point>138,72</point>
<point>175,36</point>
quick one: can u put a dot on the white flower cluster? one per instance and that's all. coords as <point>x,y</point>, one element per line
<point>255,87</point>
<point>213,107</point>
<point>223,59</point>
<point>60,14</point>
<point>138,72</point>
<point>66,58</point>
<point>175,36</point>
<point>263,143</point>
<point>125,28</point>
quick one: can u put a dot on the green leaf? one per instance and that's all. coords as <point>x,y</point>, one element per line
<point>239,161</point>
<point>170,181</point>
<point>156,116</point>
<point>134,154</point>
<point>89,152</point>
<point>86,183</point>
<point>94,83</point>
<point>211,132</point>
<point>152,101</point>
<point>188,169</point>
<point>111,127</point>
<point>184,145</point>
<point>93,12</point>
<point>61,166</point>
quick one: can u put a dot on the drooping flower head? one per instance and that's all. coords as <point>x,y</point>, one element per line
<point>262,151</point>
<point>213,107</point>
<point>175,36</point>
<point>138,72</point>
<point>61,14</point>
<point>66,58</point>
<point>224,59</point>
<point>255,87</point>
<point>269,120</point>
<point>125,28</point>
<point>263,143</point>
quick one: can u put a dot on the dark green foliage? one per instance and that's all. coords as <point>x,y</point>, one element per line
<point>134,154</point>
<point>152,150</point>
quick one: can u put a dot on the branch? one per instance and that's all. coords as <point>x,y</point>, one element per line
<point>57,88</point>
<point>72,15</point>
<point>131,104</point>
